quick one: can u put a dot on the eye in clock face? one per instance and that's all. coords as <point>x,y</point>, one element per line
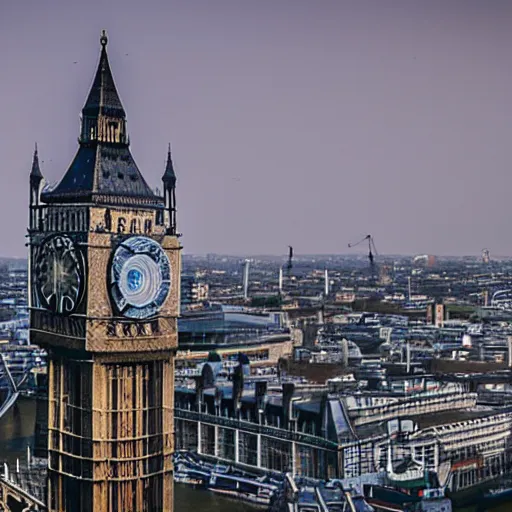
<point>140,277</point>
<point>59,274</point>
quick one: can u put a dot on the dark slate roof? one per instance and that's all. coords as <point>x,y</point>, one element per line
<point>453,416</point>
<point>169,174</point>
<point>309,406</point>
<point>36,171</point>
<point>372,430</point>
<point>103,172</point>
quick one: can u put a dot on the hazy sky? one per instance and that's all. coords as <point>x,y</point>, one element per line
<point>309,123</point>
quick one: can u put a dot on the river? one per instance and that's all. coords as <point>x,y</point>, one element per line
<point>17,432</point>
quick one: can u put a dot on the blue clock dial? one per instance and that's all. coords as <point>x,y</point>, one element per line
<point>140,277</point>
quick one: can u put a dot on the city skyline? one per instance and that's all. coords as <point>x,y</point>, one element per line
<point>289,123</point>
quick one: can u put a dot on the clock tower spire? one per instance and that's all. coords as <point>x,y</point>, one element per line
<point>104,294</point>
<point>36,179</point>
<point>103,115</point>
<point>169,181</point>
<point>103,170</point>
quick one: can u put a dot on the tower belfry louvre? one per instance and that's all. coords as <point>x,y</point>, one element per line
<point>104,301</point>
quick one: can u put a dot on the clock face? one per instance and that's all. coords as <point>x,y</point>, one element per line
<point>59,274</point>
<point>140,277</point>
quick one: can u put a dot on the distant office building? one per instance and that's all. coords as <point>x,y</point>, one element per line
<point>263,337</point>
<point>192,291</point>
<point>424,260</point>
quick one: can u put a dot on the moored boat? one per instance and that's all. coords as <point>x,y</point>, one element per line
<point>387,499</point>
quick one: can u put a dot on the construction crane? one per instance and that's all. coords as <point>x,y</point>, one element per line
<point>372,250</point>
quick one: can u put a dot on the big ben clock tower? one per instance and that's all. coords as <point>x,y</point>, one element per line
<point>104,291</point>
